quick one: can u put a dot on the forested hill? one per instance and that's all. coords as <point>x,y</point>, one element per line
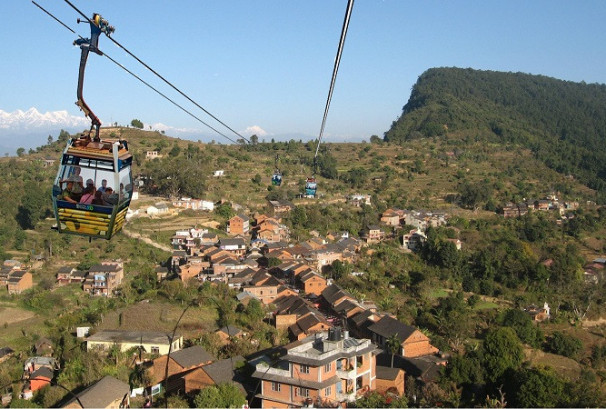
<point>562,122</point>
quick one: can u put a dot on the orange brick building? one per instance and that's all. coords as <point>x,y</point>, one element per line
<point>327,368</point>
<point>239,224</point>
<point>413,343</point>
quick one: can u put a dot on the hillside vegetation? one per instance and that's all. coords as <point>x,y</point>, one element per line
<point>563,123</point>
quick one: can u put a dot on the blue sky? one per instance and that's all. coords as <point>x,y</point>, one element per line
<point>268,64</point>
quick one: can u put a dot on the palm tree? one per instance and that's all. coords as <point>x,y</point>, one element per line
<point>393,345</point>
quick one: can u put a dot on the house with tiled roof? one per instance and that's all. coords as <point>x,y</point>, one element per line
<point>334,294</point>
<point>236,246</point>
<point>19,281</point>
<point>180,363</point>
<point>217,373</point>
<point>413,343</point>
<point>108,392</point>
<point>308,324</point>
<point>311,282</point>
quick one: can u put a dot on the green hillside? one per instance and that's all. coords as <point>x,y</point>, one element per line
<point>563,123</point>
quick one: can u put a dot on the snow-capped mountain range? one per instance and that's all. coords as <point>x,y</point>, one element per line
<point>32,119</point>
<point>30,129</point>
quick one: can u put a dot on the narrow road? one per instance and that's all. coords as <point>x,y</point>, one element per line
<point>147,240</point>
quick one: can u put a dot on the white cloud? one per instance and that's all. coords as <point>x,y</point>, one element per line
<point>254,130</point>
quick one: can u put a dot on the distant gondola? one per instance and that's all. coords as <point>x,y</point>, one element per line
<point>276,179</point>
<point>311,187</point>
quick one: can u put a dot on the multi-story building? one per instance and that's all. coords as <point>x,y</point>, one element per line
<point>104,278</point>
<point>238,224</point>
<point>327,368</point>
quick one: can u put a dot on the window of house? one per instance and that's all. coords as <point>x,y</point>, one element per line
<point>302,392</point>
<point>155,350</point>
<point>275,386</point>
<point>327,391</point>
<point>328,367</point>
<point>304,369</point>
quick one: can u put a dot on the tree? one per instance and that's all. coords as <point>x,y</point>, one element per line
<point>523,326</point>
<point>225,395</point>
<point>375,139</point>
<point>136,124</point>
<point>535,388</point>
<point>20,152</point>
<point>393,345</point>
<point>254,139</point>
<point>563,344</point>
<point>501,351</point>
<point>63,136</point>
<point>225,210</point>
<point>49,140</point>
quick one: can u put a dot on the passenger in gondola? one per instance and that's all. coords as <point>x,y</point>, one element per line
<point>98,200</point>
<point>69,194</point>
<point>89,192</point>
<point>78,181</point>
<point>103,186</point>
<point>109,197</point>
<point>124,193</point>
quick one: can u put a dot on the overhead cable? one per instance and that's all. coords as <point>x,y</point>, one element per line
<point>160,76</point>
<point>334,71</point>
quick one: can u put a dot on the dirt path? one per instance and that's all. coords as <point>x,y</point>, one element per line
<point>147,240</point>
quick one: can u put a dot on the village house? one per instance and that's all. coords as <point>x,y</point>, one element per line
<point>149,155</point>
<point>193,204</point>
<point>155,343</point>
<point>281,206</point>
<point>209,239</point>
<point>269,230</point>
<point>326,369</point>
<point>18,281</point>
<point>102,279</point>
<point>413,240</point>
<point>38,372</point>
<point>180,364</point>
<point>413,343</point>
<point>372,234</point>
<point>238,225</point>
<point>514,210</point>
<point>236,246</point>
<point>390,380</point>
<point>537,313</point>
<point>68,275</point>
<point>391,217</point>
<point>107,393</point>
<point>157,209</point>
<point>307,324</point>
<point>422,219</point>
<point>214,374</point>
<point>229,332</point>
<point>191,271</point>
<point>311,282</point>
<point>359,200</point>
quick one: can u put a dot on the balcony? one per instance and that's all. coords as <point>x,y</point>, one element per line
<point>347,373</point>
<point>273,371</point>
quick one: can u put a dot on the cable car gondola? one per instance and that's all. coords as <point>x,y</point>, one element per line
<point>102,165</point>
<point>98,207</point>
<point>311,187</point>
<point>276,179</point>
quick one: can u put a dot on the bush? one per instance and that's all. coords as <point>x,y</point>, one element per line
<point>562,344</point>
